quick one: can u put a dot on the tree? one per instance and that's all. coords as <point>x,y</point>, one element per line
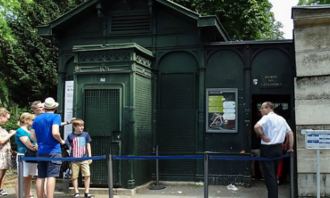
<point>312,2</point>
<point>243,19</point>
<point>28,61</point>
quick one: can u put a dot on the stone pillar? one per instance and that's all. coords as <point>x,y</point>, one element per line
<point>312,92</point>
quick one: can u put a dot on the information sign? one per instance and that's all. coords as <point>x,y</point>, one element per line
<point>317,139</point>
<point>68,107</point>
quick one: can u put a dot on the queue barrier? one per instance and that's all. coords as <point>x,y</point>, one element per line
<point>68,159</point>
<point>206,157</point>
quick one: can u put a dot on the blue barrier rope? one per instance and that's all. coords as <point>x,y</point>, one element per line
<point>198,157</point>
<point>164,157</point>
<point>101,157</point>
<point>246,158</point>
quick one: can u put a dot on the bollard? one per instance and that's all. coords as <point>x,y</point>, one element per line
<point>318,174</point>
<point>110,178</point>
<point>157,167</point>
<point>292,179</point>
<point>206,175</point>
<point>20,177</point>
<point>157,186</point>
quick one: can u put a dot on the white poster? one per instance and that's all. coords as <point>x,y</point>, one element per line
<point>221,110</point>
<point>68,106</point>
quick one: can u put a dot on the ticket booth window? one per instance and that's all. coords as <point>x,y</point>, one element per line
<point>221,110</point>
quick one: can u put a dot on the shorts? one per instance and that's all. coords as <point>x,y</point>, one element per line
<point>5,160</point>
<point>49,168</point>
<point>29,169</point>
<point>85,170</point>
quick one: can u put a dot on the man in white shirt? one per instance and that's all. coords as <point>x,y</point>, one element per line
<point>272,130</point>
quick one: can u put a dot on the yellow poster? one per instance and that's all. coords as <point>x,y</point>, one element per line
<point>216,103</point>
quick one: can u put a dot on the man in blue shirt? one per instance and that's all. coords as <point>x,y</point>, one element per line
<point>46,127</point>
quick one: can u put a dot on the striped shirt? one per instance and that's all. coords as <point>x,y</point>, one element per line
<point>78,144</point>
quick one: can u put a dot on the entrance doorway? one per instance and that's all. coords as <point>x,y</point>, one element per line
<point>102,112</point>
<point>282,106</point>
<point>176,126</point>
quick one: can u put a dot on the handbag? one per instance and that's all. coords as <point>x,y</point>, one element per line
<point>30,153</point>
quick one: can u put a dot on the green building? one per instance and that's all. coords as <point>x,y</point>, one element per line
<point>152,72</point>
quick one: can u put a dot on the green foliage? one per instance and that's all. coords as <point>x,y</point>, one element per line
<point>28,62</point>
<point>4,93</point>
<point>15,113</point>
<point>312,2</point>
<point>243,19</point>
<point>8,12</point>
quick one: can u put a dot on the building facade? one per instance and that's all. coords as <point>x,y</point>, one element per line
<point>312,46</point>
<point>150,73</point>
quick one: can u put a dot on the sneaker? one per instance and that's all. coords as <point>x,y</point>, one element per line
<point>232,187</point>
<point>3,192</point>
<point>88,195</point>
<point>76,195</point>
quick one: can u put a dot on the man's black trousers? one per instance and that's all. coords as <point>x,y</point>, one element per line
<point>269,167</point>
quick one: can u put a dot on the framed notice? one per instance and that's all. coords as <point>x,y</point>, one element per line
<point>221,110</point>
<point>68,106</point>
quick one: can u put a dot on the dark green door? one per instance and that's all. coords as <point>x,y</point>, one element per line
<point>102,117</point>
<point>177,123</point>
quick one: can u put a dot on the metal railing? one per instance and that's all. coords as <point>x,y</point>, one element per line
<point>206,157</point>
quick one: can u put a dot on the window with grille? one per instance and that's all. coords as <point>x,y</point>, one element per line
<point>130,22</point>
<point>102,111</point>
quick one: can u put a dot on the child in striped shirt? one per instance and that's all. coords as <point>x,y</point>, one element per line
<point>79,142</point>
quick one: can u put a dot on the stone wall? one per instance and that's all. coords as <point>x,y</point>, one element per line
<point>312,92</point>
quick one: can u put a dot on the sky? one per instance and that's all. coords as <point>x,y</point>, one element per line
<point>282,13</point>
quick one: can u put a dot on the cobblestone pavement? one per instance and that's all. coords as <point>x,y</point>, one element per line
<point>257,190</point>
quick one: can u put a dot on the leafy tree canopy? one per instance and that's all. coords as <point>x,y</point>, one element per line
<point>243,19</point>
<point>27,61</point>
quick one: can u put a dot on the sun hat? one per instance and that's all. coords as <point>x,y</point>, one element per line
<point>50,103</point>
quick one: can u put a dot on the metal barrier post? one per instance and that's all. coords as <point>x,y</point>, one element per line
<point>157,167</point>
<point>20,177</point>
<point>206,175</point>
<point>292,179</point>
<point>318,175</point>
<point>157,186</point>
<point>110,177</point>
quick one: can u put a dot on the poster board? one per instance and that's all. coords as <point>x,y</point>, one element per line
<point>221,110</point>
<point>68,106</point>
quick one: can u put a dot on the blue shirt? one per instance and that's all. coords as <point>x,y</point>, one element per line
<point>78,143</point>
<point>42,126</point>
<point>20,132</point>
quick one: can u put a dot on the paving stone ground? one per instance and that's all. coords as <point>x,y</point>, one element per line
<point>177,190</point>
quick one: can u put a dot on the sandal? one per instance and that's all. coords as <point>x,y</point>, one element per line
<point>76,195</point>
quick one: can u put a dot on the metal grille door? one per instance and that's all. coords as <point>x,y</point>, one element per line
<point>102,119</point>
<point>176,126</point>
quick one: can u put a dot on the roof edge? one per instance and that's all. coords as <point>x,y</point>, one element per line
<point>179,8</point>
<point>117,46</point>
<point>213,20</point>
<point>251,42</point>
<point>65,16</point>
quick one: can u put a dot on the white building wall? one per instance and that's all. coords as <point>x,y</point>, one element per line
<point>312,92</point>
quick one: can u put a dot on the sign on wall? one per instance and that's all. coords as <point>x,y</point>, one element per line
<point>317,139</point>
<point>68,106</point>
<point>221,110</point>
